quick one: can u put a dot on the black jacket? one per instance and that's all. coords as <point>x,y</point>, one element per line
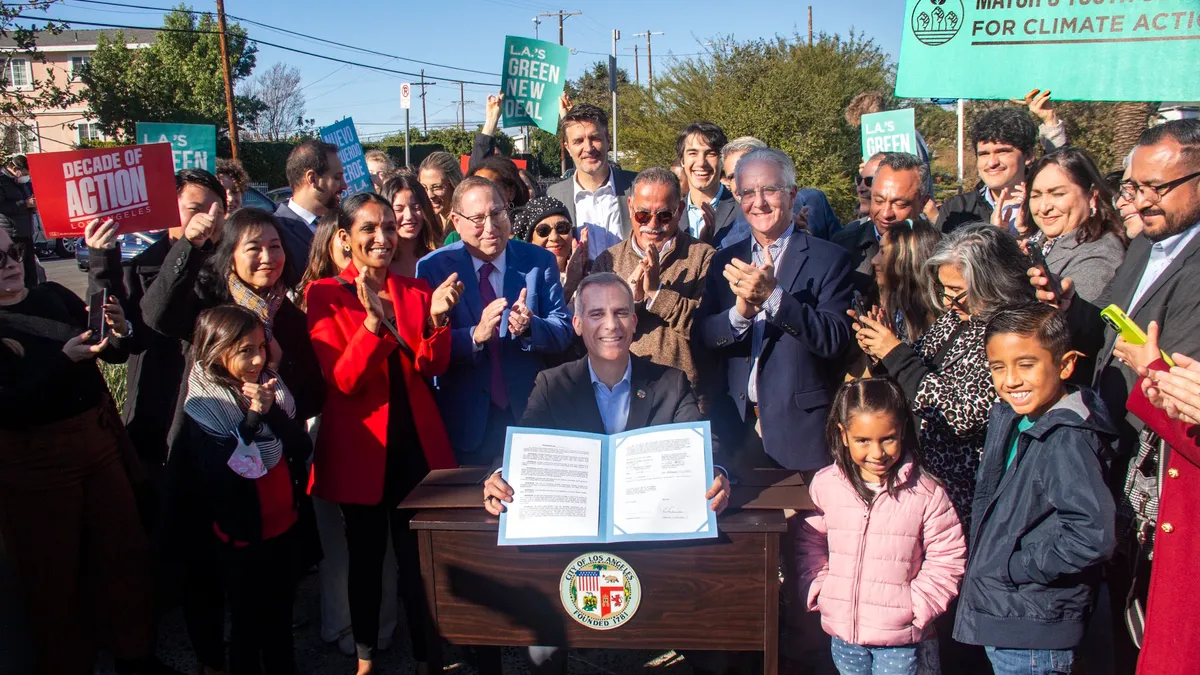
<point>156,362</point>
<point>297,240</point>
<point>174,301</point>
<point>964,209</point>
<point>1040,530</point>
<point>858,238</point>
<point>13,196</point>
<point>230,501</point>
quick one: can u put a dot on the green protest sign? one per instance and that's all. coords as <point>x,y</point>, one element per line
<point>194,146</point>
<point>535,72</point>
<point>1084,50</point>
<point>889,131</point>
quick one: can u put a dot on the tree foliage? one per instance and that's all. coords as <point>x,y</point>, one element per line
<point>283,104</point>
<point>18,106</point>
<point>176,79</point>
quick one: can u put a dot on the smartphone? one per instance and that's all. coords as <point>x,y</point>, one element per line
<point>858,304</point>
<point>1127,329</point>
<point>96,317</point>
<point>1039,260</point>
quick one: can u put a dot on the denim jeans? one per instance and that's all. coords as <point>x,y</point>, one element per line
<point>1031,661</point>
<point>862,660</point>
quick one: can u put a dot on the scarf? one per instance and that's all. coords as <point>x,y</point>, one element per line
<point>218,410</point>
<point>263,308</point>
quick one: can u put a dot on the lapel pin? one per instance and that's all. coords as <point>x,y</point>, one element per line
<point>641,393</point>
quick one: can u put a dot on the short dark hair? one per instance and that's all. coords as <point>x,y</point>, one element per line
<point>1184,132</point>
<point>310,154</point>
<point>656,175</point>
<point>1036,319</point>
<point>711,133</point>
<point>1008,125</point>
<point>507,176</point>
<point>904,161</point>
<point>584,112</point>
<point>202,178</point>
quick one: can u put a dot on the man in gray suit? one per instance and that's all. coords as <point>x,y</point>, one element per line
<point>596,194</point>
<point>315,174</point>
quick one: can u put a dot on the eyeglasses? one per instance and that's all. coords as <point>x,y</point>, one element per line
<point>954,300</point>
<point>435,189</point>
<point>860,179</point>
<point>563,228</point>
<point>644,217</point>
<point>767,191</point>
<point>1152,193</point>
<point>499,216</point>
<point>15,253</point>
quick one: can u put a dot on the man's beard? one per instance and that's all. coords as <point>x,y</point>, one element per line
<point>331,200</point>
<point>1175,223</point>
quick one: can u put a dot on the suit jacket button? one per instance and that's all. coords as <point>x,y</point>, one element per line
<point>742,396</point>
<point>1168,528</point>
<point>1173,473</point>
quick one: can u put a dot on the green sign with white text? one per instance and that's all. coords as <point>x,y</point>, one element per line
<point>889,131</point>
<point>194,146</point>
<point>1082,50</point>
<point>535,72</point>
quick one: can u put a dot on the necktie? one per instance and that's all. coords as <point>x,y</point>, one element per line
<point>488,294</point>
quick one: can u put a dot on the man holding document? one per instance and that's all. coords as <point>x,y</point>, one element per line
<point>608,392</point>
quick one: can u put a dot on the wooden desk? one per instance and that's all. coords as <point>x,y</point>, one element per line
<point>716,594</point>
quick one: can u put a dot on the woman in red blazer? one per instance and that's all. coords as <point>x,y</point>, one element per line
<point>379,339</point>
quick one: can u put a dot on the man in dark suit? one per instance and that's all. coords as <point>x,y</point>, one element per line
<point>774,315</point>
<point>608,391</point>
<point>315,174</point>
<point>897,194</point>
<point>711,207</point>
<point>510,315</point>
<point>595,194</point>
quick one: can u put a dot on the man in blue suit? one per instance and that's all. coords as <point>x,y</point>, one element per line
<point>317,179</point>
<point>774,314</point>
<point>511,314</point>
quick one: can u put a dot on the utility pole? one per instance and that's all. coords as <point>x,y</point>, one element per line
<point>810,40</point>
<point>637,78</point>
<point>537,23</point>
<point>612,80</point>
<point>462,107</point>
<point>424,119</point>
<point>649,59</point>
<point>562,16</point>
<point>230,116</point>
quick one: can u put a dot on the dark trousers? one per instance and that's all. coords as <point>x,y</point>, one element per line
<point>260,586</point>
<point>204,601</point>
<point>366,539</point>
<point>495,432</point>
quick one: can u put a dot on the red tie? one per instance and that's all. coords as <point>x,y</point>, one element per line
<point>499,388</point>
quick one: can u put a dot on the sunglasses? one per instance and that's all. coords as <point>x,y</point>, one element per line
<point>15,253</point>
<point>859,179</point>
<point>644,217</point>
<point>563,228</point>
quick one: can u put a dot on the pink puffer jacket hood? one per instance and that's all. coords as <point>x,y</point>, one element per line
<point>880,574</point>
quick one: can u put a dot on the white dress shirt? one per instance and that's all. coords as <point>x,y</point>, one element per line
<point>1162,254</point>
<point>309,217</point>
<point>601,207</point>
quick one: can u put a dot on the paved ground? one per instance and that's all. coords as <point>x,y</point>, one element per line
<point>317,658</point>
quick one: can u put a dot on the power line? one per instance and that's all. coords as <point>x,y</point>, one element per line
<point>296,34</point>
<point>248,39</point>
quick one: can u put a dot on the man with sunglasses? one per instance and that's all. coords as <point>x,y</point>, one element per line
<point>665,267</point>
<point>862,184</point>
<point>510,316</point>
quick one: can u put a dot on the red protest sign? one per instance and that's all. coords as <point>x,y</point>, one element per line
<point>134,185</point>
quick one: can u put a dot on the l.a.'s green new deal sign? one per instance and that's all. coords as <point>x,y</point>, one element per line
<point>194,146</point>
<point>535,73</point>
<point>1098,50</point>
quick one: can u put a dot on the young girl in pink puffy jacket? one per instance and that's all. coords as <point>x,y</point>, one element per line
<point>884,552</point>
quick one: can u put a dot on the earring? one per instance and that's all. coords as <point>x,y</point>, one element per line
<point>346,249</point>
<point>1093,211</point>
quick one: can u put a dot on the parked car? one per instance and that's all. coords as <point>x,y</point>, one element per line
<point>280,195</point>
<point>131,244</point>
<point>258,200</point>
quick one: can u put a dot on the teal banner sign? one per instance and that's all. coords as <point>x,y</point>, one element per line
<point>354,164</point>
<point>194,146</point>
<point>1082,50</point>
<point>890,131</point>
<point>535,73</point>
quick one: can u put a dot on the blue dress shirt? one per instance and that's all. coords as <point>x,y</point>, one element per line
<point>613,403</point>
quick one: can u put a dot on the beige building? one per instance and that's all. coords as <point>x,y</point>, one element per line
<point>58,129</point>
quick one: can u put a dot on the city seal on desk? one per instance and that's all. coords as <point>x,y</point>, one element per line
<point>600,591</point>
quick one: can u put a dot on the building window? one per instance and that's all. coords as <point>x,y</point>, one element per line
<point>88,131</point>
<point>21,139</point>
<point>18,74</point>
<point>77,64</point>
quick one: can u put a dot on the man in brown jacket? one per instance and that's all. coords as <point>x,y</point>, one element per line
<point>665,267</point>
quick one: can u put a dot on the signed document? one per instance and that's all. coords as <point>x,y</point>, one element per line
<point>572,487</point>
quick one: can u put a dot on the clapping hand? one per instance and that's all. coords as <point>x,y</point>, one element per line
<point>100,234</point>
<point>800,219</point>
<point>1009,197</point>
<point>1176,391</point>
<point>751,284</point>
<point>653,267</point>
<point>874,337</point>
<point>445,297</point>
<point>203,226</point>
<point>369,297</point>
<point>576,265</point>
<point>718,494</point>
<point>489,321</point>
<point>520,316</point>
<point>495,492</point>
<point>260,396</point>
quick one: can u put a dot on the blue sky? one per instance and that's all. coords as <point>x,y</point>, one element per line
<point>470,34</point>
